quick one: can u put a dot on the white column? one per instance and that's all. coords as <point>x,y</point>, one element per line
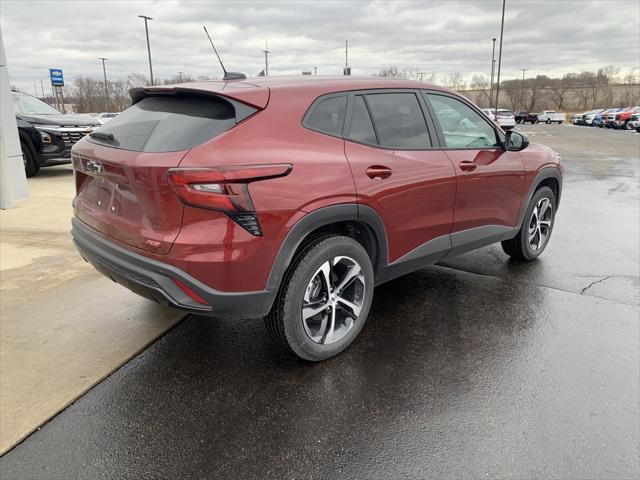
<point>13,181</point>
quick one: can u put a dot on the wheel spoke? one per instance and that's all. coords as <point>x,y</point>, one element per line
<point>309,311</point>
<point>544,204</point>
<point>353,272</point>
<point>326,270</point>
<point>354,310</point>
<point>327,337</point>
<point>545,223</point>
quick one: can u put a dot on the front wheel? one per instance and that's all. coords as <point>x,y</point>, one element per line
<point>324,299</point>
<point>536,227</point>
<point>31,167</point>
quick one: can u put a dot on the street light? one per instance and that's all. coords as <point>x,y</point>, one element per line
<point>106,85</point>
<point>499,61</point>
<point>146,30</point>
<point>493,66</point>
<point>266,59</point>
<point>522,94</point>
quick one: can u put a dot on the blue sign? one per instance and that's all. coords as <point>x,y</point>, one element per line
<point>57,80</point>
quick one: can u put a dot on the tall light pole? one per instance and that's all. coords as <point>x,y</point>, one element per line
<point>347,70</point>
<point>180,77</point>
<point>266,59</point>
<point>499,61</point>
<point>522,89</point>
<point>493,66</point>
<point>146,31</point>
<point>315,70</point>
<point>106,85</point>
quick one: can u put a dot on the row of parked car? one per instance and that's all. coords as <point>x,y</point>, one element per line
<point>507,119</point>
<point>622,118</point>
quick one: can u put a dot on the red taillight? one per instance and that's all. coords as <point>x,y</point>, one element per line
<point>224,189</point>
<point>193,295</point>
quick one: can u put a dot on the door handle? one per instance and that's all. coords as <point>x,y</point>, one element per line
<point>379,172</point>
<point>467,166</point>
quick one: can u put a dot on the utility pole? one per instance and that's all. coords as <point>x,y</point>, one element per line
<point>266,59</point>
<point>146,31</point>
<point>42,88</point>
<point>315,70</point>
<point>421,74</point>
<point>106,85</point>
<point>180,77</point>
<point>493,66</point>
<point>522,92</point>
<point>499,61</point>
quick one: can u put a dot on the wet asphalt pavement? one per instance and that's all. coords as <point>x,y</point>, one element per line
<point>478,367</point>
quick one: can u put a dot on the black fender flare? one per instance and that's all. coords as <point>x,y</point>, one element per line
<point>543,174</point>
<point>320,218</point>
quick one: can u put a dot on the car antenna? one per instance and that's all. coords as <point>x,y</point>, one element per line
<point>227,75</point>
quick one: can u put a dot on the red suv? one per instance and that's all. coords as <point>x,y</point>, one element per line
<point>292,198</point>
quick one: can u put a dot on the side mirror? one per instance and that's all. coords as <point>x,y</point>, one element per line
<point>515,141</point>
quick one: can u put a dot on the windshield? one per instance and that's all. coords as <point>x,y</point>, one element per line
<point>28,105</point>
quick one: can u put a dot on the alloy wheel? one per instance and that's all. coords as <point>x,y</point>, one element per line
<point>333,300</point>
<point>540,224</point>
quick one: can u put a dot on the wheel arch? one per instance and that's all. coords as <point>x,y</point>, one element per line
<point>356,221</point>
<point>547,176</point>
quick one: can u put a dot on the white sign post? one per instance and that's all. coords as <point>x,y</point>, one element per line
<point>13,181</point>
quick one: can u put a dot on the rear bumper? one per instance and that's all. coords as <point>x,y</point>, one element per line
<point>155,280</point>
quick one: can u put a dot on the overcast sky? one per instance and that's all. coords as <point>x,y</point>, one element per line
<point>546,36</point>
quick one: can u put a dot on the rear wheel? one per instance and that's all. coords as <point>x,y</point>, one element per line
<point>324,299</point>
<point>536,227</point>
<point>31,167</point>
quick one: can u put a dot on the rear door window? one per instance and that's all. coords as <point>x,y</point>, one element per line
<point>398,120</point>
<point>168,123</point>
<point>328,115</point>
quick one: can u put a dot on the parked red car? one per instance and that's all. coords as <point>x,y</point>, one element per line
<point>291,198</point>
<point>621,119</point>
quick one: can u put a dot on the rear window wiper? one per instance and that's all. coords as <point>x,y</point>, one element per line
<point>103,136</point>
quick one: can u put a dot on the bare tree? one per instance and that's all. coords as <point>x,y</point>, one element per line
<point>406,74</point>
<point>456,81</point>
<point>558,89</point>
<point>480,84</point>
<point>631,88</point>
<point>184,78</point>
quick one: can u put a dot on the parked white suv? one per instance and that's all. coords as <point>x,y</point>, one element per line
<point>506,118</point>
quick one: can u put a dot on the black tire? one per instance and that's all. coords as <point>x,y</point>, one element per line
<point>548,121</point>
<point>285,322</point>
<point>31,167</point>
<point>519,247</point>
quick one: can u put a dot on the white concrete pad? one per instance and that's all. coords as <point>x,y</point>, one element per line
<point>63,326</point>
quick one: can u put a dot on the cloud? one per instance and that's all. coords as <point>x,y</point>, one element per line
<point>545,36</point>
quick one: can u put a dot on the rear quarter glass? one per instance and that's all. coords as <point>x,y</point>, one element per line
<point>168,123</point>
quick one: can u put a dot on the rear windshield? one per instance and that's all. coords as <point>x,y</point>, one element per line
<point>167,123</point>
